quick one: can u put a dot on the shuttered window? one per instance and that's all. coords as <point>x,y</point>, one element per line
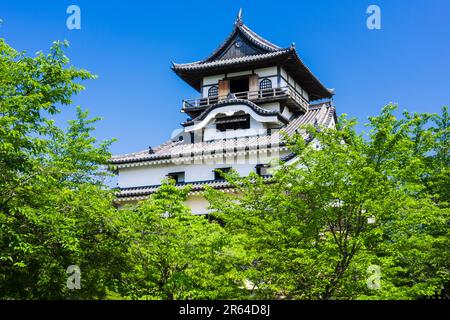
<point>233,122</point>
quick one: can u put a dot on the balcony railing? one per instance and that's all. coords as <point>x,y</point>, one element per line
<point>259,95</point>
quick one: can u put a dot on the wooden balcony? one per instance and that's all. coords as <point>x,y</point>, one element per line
<point>287,94</point>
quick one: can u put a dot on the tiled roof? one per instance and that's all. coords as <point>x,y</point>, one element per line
<point>139,193</point>
<point>178,151</point>
<point>195,186</point>
<point>256,38</point>
<point>320,114</point>
<point>200,65</point>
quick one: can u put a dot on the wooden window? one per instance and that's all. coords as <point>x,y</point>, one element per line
<point>265,84</point>
<point>233,122</point>
<point>213,91</point>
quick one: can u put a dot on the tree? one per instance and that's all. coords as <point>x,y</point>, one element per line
<point>310,232</point>
<point>314,229</point>
<point>174,254</point>
<point>54,208</point>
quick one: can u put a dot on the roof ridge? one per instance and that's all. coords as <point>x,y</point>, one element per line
<point>195,185</point>
<point>224,42</point>
<point>129,154</point>
<point>232,60</point>
<point>145,151</point>
<point>266,43</point>
<point>249,34</point>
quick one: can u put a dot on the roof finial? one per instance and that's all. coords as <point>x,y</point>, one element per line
<point>239,17</point>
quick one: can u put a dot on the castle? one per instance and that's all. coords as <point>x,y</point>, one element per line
<point>251,91</point>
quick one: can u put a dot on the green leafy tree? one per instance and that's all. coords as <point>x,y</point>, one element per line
<point>314,229</point>
<point>54,208</point>
<point>310,232</point>
<point>174,254</point>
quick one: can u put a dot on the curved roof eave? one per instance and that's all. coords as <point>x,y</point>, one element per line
<point>229,102</point>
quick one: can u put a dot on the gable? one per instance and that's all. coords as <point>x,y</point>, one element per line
<point>240,43</point>
<point>237,47</point>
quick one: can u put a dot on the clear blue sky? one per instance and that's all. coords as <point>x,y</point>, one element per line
<point>130,45</point>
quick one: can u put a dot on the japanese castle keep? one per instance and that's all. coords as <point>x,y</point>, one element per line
<point>251,91</point>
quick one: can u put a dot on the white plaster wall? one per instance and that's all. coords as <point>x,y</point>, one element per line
<point>270,72</point>
<point>287,113</point>
<point>290,80</point>
<point>212,79</point>
<point>270,106</point>
<point>144,176</point>
<point>153,174</point>
<point>198,204</point>
<point>240,73</point>
<point>265,72</point>
<point>203,172</point>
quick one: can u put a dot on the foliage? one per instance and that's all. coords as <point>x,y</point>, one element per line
<point>54,210</point>
<point>174,254</point>
<point>347,202</point>
<point>309,230</point>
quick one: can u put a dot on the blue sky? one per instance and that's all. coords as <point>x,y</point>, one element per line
<point>130,45</point>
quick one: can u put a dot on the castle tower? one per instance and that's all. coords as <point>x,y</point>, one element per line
<point>250,91</point>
